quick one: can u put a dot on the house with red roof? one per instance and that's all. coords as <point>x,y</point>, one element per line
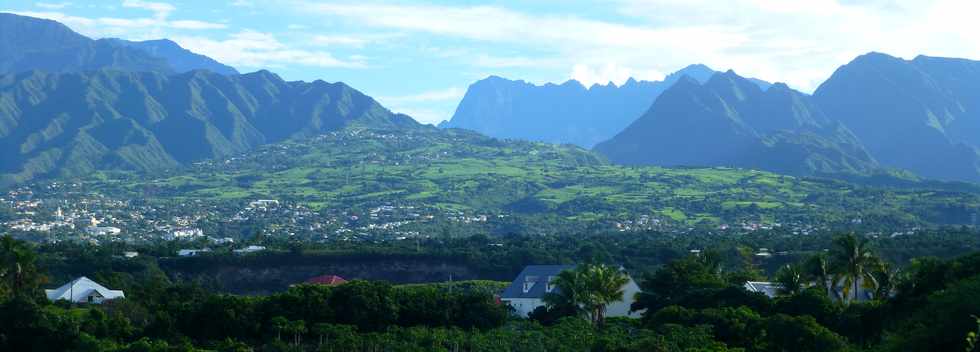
<point>329,280</point>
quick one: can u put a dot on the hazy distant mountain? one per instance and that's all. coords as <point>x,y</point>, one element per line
<point>180,59</point>
<point>28,43</point>
<point>921,115</point>
<point>565,113</point>
<point>730,121</point>
<point>71,123</point>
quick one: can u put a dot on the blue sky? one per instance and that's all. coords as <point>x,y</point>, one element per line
<point>418,57</point>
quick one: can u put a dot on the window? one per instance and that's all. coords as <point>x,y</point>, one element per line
<point>551,283</point>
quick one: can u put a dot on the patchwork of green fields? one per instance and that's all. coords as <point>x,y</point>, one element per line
<point>459,170</point>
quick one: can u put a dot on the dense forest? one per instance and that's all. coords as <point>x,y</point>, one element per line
<point>689,302</point>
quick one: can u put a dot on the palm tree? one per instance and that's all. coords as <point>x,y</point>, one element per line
<point>279,323</point>
<point>321,330</point>
<point>298,328</point>
<point>18,274</point>
<point>589,289</point>
<point>885,278</point>
<point>791,279</point>
<point>604,285</point>
<point>569,294</point>
<point>853,259</point>
<point>819,268</point>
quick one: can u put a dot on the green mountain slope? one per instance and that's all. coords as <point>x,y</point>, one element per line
<point>528,187</point>
<point>74,123</point>
<point>730,121</point>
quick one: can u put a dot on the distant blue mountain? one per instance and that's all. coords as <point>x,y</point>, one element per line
<point>921,115</point>
<point>565,113</point>
<point>730,121</point>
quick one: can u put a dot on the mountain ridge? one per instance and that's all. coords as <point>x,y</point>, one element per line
<point>730,121</point>
<point>567,112</point>
<point>148,120</point>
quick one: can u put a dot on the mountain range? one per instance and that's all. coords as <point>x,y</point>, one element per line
<point>70,105</point>
<point>921,115</point>
<point>28,43</point>
<point>65,124</point>
<point>561,113</point>
<point>730,121</point>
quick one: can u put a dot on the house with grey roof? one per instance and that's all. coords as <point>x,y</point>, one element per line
<point>83,290</point>
<point>769,289</point>
<point>527,291</point>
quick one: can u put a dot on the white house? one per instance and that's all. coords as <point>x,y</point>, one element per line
<point>527,291</point>
<point>102,230</point>
<point>769,289</point>
<point>184,233</point>
<point>192,252</point>
<point>83,290</point>
<point>250,249</point>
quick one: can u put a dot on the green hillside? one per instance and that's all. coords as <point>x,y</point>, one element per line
<point>535,183</point>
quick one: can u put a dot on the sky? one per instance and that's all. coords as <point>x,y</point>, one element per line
<point>418,57</point>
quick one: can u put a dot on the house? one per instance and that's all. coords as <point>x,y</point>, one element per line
<point>770,289</point>
<point>250,249</point>
<point>83,290</point>
<point>184,233</point>
<point>329,280</point>
<point>192,252</point>
<point>527,291</point>
<point>131,254</point>
<point>102,230</point>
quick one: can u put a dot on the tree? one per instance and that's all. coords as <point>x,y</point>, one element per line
<point>885,279</point>
<point>279,323</point>
<point>298,328</point>
<point>19,276</point>
<point>603,285</point>
<point>569,295</point>
<point>791,279</point>
<point>853,259</point>
<point>589,288</point>
<point>818,267</point>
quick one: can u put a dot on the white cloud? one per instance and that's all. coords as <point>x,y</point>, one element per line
<point>432,106</point>
<point>423,115</point>
<point>255,49</point>
<point>449,94</point>
<point>52,6</point>
<point>161,10</point>
<point>193,24</point>
<point>339,40</point>
<point>611,72</point>
<point>797,41</point>
<point>134,28</point>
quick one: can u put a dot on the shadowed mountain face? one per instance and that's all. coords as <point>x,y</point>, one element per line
<point>921,115</point>
<point>566,113</point>
<point>730,121</point>
<point>72,123</point>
